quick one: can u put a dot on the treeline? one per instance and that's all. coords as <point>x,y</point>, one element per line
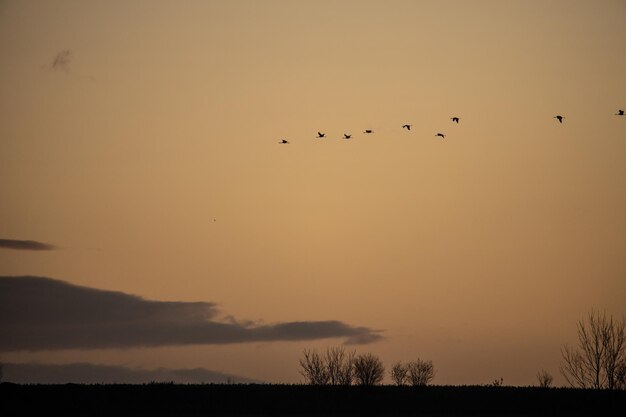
<point>597,361</point>
<point>336,366</point>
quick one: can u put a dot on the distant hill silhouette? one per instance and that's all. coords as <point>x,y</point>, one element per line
<point>87,373</point>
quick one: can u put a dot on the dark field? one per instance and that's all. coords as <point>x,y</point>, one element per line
<point>299,400</point>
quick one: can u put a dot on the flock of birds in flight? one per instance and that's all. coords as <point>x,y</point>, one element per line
<point>454,119</point>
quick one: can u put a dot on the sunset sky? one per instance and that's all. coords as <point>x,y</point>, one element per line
<point>139,143</point>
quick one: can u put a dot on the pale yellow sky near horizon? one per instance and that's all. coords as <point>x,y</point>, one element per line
<point>479,251</point>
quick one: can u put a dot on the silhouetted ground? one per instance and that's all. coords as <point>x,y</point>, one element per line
<point>299,400</point>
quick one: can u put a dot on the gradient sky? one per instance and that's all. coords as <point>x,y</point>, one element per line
<point>140,140</point>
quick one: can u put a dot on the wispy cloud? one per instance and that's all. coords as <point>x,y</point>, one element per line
<point>64,61</point>
<point>65,316</point>
<point>88,373</point>
<point>24,245</point>
<point>61,61</point>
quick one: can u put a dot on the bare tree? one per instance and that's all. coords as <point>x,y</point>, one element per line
<point>420,372</point>
<point>313,368</point>
<point>614,340</point>
<point>399,373</point>
<point>339,366</point>
<point>544,378</point>
<point>601,352</point>
<point>574,368</point>
<point>620,376</point>
<point>368,369</point>
<point>334,367</point>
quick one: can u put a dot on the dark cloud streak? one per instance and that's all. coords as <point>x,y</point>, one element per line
<point>44,314</point>
<point>24,245</point>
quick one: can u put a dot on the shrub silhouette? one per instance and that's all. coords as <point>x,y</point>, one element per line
<point>496,382</point>
<point>544,378</point>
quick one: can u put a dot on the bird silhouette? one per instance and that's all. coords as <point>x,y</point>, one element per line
<point>455,119</point>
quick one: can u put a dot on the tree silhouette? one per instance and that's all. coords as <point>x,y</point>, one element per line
<point>620,376</point>
<point>544,378</point>
<point>313,368</point>
<point>339,366</point>
<point>399,373</point>
<point>420,372</point>
<point>368,370</point>
<point>334,367</point>
<point>600,356</point>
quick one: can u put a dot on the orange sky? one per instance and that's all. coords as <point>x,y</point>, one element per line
<point>479,251</point>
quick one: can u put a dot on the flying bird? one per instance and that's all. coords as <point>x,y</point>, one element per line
<point>368,131</point>
<point>455,119</point>
<point>284,141</point>
<point>321,135</point>
<point>620,113</point>
<point>441,134</point>
<point>407,127</point>
<point>559,118</point>
<point>346,136</point>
